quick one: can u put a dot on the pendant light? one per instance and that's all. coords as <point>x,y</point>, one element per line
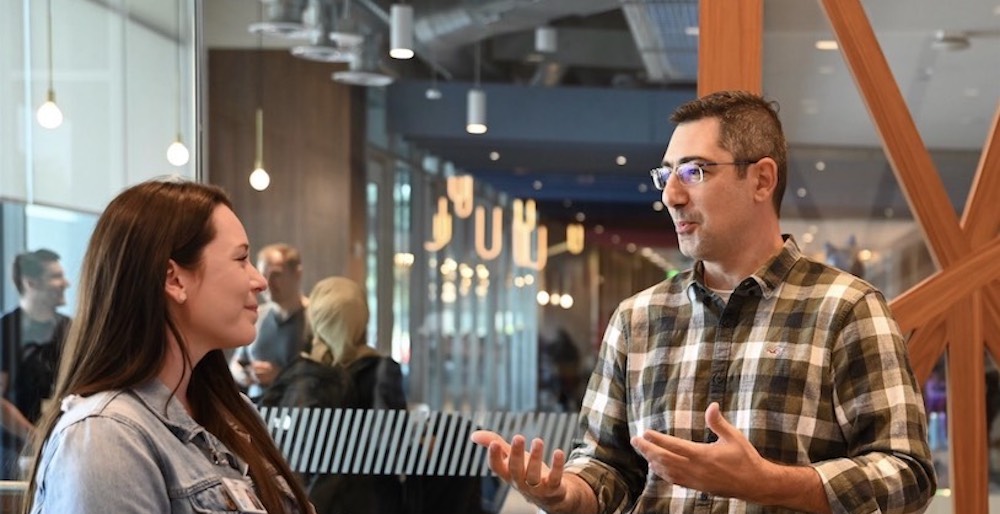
<point>476,105</point>
<point>401,31</point>
<point>177,153</point>
<point>49,116</point>
<point>259,178</point>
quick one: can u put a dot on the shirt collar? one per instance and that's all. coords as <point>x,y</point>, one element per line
<point>766,279</point>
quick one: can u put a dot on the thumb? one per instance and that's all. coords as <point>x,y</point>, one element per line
<point>718,424</point>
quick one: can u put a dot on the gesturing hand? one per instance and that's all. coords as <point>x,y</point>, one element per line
<point>540,484</point>
<point>729,467</point>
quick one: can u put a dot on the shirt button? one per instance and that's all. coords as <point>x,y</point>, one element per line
<point>703,497</point>
<point>716,379</point>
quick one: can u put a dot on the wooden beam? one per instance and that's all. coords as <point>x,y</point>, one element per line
<point>981,219</point>
<point>966,407</point>
<point>730,43</point>
<point>925,347</point>
<point>910,160</point>
<point>938,292</point>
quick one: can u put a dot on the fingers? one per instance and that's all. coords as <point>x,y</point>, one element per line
<point>515,464</point>
<point>533,473</point>
<point>556,471</point>
<point>718,424</point>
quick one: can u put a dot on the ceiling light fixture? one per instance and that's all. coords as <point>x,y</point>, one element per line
<point>366,68</point>
<point>950,41</point>
<point>49,116</point>
<point>283,19</point>
<point>827,44</point>
<point>476,102</point>
<point>545,40</point>
<point>177,153</point>
<point>259,178</point>
<point>401,31</point>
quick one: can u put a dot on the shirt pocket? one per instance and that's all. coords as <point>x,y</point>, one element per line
<point>212,499</point>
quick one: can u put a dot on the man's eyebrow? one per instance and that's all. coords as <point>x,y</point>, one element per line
<point>684,160</point>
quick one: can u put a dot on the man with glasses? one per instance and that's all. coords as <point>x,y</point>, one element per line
<point>757,381</point>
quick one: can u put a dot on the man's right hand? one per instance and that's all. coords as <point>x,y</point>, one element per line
<point>541,485</point>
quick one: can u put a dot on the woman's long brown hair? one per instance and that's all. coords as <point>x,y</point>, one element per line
<point>118,338</point>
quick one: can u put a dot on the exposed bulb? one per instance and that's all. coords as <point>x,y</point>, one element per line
<point>177,153</point>
<point>259,179</point>
<point>49,116</point>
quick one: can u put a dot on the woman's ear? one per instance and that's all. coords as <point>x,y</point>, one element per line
<point>767,179</point>
<point>174,286</point>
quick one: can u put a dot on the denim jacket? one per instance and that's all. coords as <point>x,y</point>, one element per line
<point>135,451</point>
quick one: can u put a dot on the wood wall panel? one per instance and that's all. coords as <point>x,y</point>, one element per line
<point>314,144</point>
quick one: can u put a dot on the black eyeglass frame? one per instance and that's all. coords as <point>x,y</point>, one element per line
<point>660,182</point>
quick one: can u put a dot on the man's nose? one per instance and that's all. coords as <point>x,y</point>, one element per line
<point>675,194</point>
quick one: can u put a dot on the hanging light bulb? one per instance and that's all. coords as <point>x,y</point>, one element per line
<point>49,115</point>
<point>177,153</point>
<point>401,31</point>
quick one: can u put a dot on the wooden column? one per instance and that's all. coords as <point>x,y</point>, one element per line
<point>965,254</point>
<point>314,143</point>
<point>730,43</point>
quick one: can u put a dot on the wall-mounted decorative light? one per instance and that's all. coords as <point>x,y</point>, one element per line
<point>401,31</point>
<point>177,153</point>
<point>441,227</point>
<point>49,115</point>
<point>574,238</point>
<point>476,108</point>
<point>493,251</point>
<point>460,191</point>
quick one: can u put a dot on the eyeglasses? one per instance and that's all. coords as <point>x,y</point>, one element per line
<point>689,173</point>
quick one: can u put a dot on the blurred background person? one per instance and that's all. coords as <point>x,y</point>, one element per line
<point>31,340</point>
<point>282,330</point>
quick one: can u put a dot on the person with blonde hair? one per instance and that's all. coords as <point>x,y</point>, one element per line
<point>144,396</point>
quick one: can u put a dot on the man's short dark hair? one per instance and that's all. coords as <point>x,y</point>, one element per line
<point>32,265</point>
<point>749,128</point>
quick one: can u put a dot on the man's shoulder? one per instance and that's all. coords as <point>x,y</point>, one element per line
<point>667,293</point>
<point>823,279</point>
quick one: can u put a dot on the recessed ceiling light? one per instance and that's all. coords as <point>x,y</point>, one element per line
<point>631,247</point>
<point>692,31</point>
<point>643,187</point>
<point>615,239</point>
<point>865,255</point>
<point>598,229</point>
<point>801,192</point>
<point>621,160</point>
<point>581,217</point>
<point>820,165</point>
<point>494,156</point>
<point>826,44</point>
<point>807,238</point>
<point>537,185</point>
<point>657,206</point>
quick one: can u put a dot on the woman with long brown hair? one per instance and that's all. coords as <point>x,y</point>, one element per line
<point>147,417</point>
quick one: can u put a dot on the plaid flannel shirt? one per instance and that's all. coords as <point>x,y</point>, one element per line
<point>805,360</point>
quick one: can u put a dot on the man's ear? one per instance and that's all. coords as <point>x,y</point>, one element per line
<point>766,176</point>
<point>174,285</point>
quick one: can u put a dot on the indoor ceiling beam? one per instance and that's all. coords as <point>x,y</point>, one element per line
<point>730,45</point>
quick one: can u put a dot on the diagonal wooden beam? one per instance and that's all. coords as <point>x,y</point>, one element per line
<point>937,293</point>
<point>925,347</point>
<point>910,160</point>
<point>730,43</point>
<point>981,219</point>
<point>967,426</point>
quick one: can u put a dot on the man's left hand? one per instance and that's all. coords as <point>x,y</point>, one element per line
<point>729,467</point>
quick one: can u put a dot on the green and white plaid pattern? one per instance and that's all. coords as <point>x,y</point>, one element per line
<point>805,360</point>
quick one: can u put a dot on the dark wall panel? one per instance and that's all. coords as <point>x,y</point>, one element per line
<point>313,149</point>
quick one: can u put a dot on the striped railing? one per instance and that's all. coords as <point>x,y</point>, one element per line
<point>391,442</point>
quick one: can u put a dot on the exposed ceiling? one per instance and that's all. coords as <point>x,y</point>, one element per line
<point>652,45</point>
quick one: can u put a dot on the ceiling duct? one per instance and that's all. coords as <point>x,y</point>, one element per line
<point>333,34</point>
<point>366,68</point>
<point>669,50</point>
<point>283,18</point>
